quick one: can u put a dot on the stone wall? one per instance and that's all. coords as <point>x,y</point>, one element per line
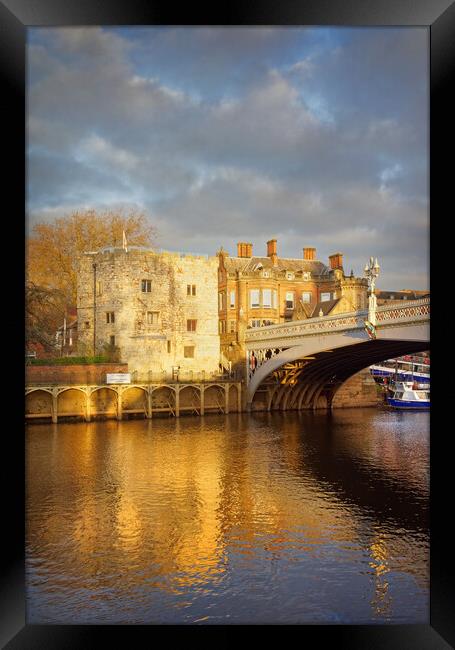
<point>359,390</point>
<point>72,374</point>
<point>150,327</point>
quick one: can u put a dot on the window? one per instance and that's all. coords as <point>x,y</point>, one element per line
<point>325,297</point>
<point>255,322</point>
<point>146,286</point>
<point>289,275</point>
<point>190,289</point>
<point>188,351</point>
<point>306,275</point>
<point>289,300</point>
<point>232,299</point>
<point>99,288</point>
<point>168,347</point>
<point>153,317</point>
<point>254,298</point>
<point>87,324</point>
<point>306,296</point>
<point>110,317</point>
<point>221,301</point>
<point>191,325</point>
<point>275,298</point>
<point>222,326</point>
<point>266,274</point>
<point>267,298</point>
<point>232,326</point>
<point>112,341</point>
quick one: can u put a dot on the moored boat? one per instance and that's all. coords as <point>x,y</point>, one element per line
<point>402,369</point>
<point>409,395</point>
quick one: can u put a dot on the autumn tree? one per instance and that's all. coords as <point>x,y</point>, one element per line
<point>53,248</point>
<point>44,313</point>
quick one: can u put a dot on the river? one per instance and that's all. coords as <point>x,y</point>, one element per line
<point>244,518</point>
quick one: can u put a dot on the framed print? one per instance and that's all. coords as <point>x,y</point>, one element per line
<point>250,121</point>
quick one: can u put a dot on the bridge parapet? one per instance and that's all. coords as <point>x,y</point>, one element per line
<point>276,335</point>
<point>414,310</point>
<point>265,336</point>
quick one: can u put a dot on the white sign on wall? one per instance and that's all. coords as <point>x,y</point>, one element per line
<point>118,378</point>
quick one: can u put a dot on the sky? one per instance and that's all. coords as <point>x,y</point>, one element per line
<point>315,136</point>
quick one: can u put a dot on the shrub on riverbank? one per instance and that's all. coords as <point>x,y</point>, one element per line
<point>70,361</point>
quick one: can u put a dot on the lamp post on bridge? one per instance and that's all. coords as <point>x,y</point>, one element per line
<point>371,272</point>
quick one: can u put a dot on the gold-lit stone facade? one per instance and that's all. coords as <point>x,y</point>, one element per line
<point>255,291</point>
<point>159,309</point>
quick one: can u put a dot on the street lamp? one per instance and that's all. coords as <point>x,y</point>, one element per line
<point>371,271</point>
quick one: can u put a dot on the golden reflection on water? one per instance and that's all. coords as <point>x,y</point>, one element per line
<point>173,506</point>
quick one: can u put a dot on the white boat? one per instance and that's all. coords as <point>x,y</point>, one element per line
<point>402,369</point>
<point>409,395</point>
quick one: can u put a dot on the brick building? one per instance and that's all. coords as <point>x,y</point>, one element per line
<point>158,309</point>
<point>255,291</point>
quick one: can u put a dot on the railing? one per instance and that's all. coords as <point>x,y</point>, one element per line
<point>397,312</point>
<point>164,377</point>
<point>414,310</point>
<point>320,325</point>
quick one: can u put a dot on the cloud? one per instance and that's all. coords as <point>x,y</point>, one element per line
<point>316,136</point>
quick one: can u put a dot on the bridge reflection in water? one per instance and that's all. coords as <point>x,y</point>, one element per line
<point>230,519</point>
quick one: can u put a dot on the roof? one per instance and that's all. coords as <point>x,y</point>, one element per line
<point>402,294</point>
<point>326,306</point>
<point>250,264</point>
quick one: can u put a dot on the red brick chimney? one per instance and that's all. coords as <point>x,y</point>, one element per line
<point>271,251</point>
<point>244,249</point>
<point>309,253</point>
<point>336,261</point>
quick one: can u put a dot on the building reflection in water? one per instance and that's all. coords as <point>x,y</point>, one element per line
<point>124,511</point>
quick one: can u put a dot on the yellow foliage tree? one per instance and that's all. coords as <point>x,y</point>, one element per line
<point>53,248</point>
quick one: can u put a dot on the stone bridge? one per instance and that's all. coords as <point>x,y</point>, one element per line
<point>302,364</point>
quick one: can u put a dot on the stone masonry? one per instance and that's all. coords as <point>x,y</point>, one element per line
<point>159,309</point>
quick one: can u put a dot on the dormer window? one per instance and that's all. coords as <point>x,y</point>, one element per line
<point>289,275</point>
<point>306,275</point>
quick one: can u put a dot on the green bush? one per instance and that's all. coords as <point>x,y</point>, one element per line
<point>70,361</point>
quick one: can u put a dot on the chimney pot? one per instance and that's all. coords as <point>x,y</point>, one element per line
<point>244,249</point>
<point>271,251</point>
<point>336,261</point>
<point>309,253</point>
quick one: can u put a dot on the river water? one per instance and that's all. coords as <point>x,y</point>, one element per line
<point>261,518</point>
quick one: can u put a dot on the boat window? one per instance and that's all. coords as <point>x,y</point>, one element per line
<point>421,394</point>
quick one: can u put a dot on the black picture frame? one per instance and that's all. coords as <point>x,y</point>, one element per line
<point>15,17</point>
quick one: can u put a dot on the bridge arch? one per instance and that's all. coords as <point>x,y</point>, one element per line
<point>71,401</point>
<point>38,403</point>
<point>317,370</point>
<point>311,359</point>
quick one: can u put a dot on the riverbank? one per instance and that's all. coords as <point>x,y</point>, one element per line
<point>69,402</point>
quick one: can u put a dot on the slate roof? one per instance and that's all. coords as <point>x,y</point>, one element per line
<point>326,307</point>
<point>249,264</point>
